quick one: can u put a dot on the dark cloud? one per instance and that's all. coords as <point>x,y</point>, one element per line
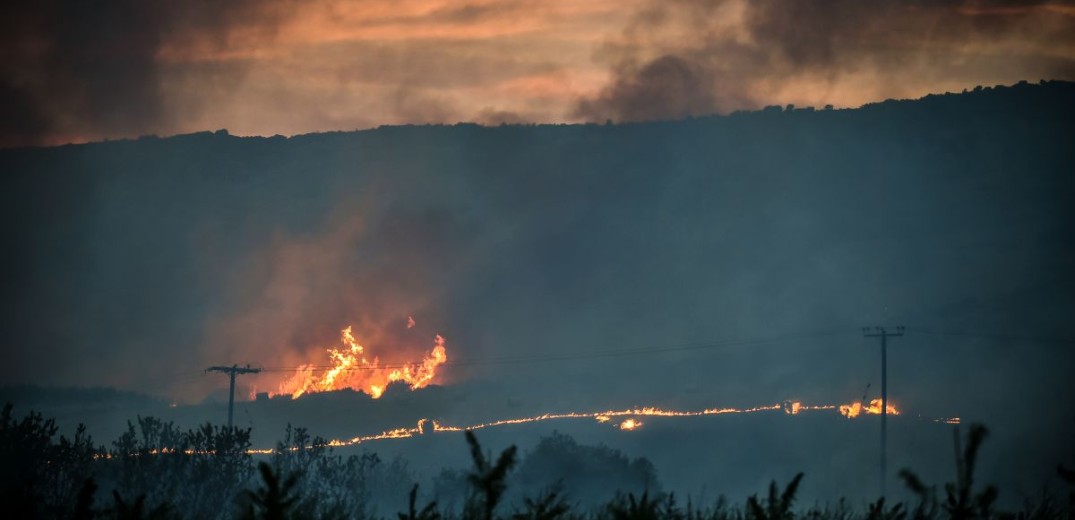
<point>73,69</point>
<point>421,106</point>
<point>669,86</point>
<point>686,58</point>
<point>491,117</point>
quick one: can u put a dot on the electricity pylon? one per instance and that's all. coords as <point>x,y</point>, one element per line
<point>232,371</point>
<point>880,332</point>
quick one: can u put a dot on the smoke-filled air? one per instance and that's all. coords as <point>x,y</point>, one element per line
<point>517,260</point>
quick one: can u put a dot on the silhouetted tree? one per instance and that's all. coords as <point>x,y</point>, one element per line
<point>429,512</point>
<point>549,505</point>
<point>489,480</point>
<point>589,472</point>
<point>877,511</point>
<point>195,471</point>
<point>275,499</point>
<point>961,501</point>
<point>40,477</point>
<point>777,505</point>
<point>84,503</point>
<point>629,508</point>
<point>927,495</point>
<point>136,510</point>
<point>334,486</point>
<point>1068,476</point>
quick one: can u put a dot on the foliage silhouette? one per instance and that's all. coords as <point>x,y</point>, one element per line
<point>488,480</point>
<point>276,499</point>
<point>1068,476</point>
<point>777,505</point>
<point>961,502</point>
<point>429,512</point>
<point>160,466</point>
<point>877,511</point>
<point>927,496</point>
<point>549,505</point>
<point>196,471</point>
<point>84,504</point>
<point>41,477</point>
<point>645,507</point>
<point>591,473</point>
<point>137,510</point>
<point>358,486</point>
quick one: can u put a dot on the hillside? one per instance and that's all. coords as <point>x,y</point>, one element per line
<point>527,245</point>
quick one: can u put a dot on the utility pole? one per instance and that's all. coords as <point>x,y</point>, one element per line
<point>880,332</point>
<point>232,371</point>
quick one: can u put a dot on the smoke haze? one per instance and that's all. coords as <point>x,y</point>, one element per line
<point>77,72</point>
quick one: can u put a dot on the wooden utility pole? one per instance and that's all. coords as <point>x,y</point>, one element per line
<point>232,371</point>
<point>880,332</point>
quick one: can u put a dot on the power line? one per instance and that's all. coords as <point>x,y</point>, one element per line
<point>996,336</point>
<point>586,355</point>
<point>645,350</point>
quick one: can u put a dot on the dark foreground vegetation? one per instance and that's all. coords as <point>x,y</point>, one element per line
<point>157,471</point>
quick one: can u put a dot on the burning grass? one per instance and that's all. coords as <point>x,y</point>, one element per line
<point>156,470</point>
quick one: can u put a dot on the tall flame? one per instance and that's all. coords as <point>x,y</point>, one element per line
<point>351,369</point>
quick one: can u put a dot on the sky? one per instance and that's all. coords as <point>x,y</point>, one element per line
<point>74,71</point>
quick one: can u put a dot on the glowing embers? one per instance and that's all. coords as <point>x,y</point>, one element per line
<point>625,420</point>
<point>626,424</point>
<point>350,368</point>
<point>874,408</point>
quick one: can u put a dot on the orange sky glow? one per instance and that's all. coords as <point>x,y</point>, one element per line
<point>286,67</point>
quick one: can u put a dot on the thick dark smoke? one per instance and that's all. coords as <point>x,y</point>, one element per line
<point>72,69</point>
<point>690,57</point>
<point>667,87</point>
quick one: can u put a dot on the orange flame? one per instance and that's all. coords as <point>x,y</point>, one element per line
<point>351,369</point>
<point>874,408</point>
<point>631,422</point>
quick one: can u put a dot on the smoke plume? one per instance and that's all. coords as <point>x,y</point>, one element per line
<point>689,57</point>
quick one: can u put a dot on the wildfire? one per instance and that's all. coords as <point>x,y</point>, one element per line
<point>630,422</point>
<point>874,408</point>
<point>351,369</point>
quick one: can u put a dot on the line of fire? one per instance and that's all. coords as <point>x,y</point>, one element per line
<point>350,366</point>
